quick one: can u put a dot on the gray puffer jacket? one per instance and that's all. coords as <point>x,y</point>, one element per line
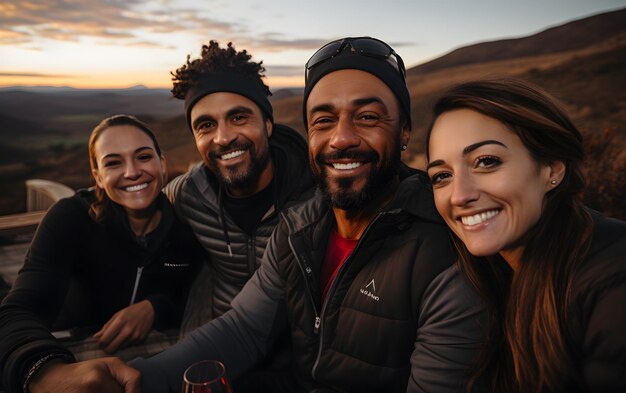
<point>196,197</point>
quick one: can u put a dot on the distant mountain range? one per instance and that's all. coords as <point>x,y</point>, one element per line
<point>583,63</point>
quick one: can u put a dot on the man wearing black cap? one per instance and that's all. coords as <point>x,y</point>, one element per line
<point>363,272</point>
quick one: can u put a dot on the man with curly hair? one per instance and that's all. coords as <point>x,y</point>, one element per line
<point>252,169</point>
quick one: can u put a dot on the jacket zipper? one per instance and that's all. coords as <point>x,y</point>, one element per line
<point>320,324</point>
<point>306,271</point>
<point>251,255</point>
<point>137,279</point>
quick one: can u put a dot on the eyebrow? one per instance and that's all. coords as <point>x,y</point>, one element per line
<point>467,150</point>
<point>138,150</point>
<point>476,145</point>
<point>231,112</point>
<point>358,102</point>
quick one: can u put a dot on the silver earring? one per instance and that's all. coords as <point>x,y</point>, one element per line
<point>404,147</point>
<point>553,182</point>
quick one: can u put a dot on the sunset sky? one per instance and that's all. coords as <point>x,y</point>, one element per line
<point>121,43</point>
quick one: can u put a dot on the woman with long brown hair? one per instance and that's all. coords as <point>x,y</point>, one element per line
<point>505,162</point>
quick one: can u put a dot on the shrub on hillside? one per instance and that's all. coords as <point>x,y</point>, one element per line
<point>605,170</point>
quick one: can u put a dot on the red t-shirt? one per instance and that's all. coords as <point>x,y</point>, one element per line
<point>338,250</point>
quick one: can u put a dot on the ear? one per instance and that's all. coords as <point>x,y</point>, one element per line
<point>556,172</point>
<point>405,134</point>
<point>164,170</point>
<point>269,126</point>
<point>97,177</point>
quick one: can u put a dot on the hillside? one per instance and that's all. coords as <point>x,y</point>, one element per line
<point>583,63</point>
<point>571,36</point>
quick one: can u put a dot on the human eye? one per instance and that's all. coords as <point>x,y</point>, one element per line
<point>322,122</point>
<point>440,178</point>
<point>239,118</point>
<point>112,163</point>
<point>144,157</point>
<point>368,118</point>
<point>488,162</point>
<point>205,126</point>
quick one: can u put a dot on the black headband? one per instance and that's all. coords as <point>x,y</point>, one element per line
<point>229,82</point>
<point>378,67</point>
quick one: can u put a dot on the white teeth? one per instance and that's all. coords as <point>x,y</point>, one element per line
<point>479,218</point>
<point>138,187</point>
<point>350,165</point>
<point>233,154</point>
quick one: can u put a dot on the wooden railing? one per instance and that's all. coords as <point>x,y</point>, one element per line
<point>40,195</point>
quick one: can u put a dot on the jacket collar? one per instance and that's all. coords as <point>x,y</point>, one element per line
<point>413,198</point>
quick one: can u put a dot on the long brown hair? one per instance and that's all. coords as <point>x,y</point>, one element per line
<point>101,206</point>
<point>527,347</point>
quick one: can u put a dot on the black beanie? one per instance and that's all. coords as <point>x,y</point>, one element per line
<point>378,67</point>
<point>229,82</point>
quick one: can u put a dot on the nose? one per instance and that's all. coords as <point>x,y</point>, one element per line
<point>223,135</point>
<point>464,190</point>
<point>132,170</point>
<point>344,135</point>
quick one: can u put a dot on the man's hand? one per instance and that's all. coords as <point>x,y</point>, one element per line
<point>105,375</point>
<point>128,326</point>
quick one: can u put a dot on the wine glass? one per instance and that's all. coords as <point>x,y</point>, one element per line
<point>207,376</point>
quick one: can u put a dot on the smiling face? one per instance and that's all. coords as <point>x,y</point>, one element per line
<point>129,170</point>
<point>233,139</point>
<point>487,187</point>
<point>354,137</point>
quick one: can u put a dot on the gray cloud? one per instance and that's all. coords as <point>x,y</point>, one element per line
<point>123,21</point>
<point>32,75</point>
<point>25,21</point>
<point>284,70</point>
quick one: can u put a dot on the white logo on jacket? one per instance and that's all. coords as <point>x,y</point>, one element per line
<point>370,290</point>
<point>168,264</point>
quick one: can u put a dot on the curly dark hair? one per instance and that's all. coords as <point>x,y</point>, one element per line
<point>215,60</point>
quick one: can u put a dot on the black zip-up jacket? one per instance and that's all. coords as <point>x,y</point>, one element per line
<point>78,273</point>
<point>398,316</point>
<point>597,317</point>
<point>196,198</point>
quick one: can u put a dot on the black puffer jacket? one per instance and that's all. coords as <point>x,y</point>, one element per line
<point>398,317</point>
<point>196,198</point>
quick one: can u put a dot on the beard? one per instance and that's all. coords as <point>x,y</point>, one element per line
<point>243,175</point>
<point>344,195</point>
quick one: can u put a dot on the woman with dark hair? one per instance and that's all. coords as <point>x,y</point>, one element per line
<point>505,165</point>
<point>113,261</point>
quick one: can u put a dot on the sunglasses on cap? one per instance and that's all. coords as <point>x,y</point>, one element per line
<point>364,46</point>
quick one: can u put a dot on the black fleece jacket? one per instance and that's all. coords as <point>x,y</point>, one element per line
<point>78,273</point>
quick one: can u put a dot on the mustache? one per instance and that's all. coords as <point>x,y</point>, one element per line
<point>348,154</point>
<point>235,145</point>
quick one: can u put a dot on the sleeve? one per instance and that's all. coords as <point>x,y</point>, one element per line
<point>604,347</point>
<point>238,338</point>
<point>37,296</point>
<point>451,329</point>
